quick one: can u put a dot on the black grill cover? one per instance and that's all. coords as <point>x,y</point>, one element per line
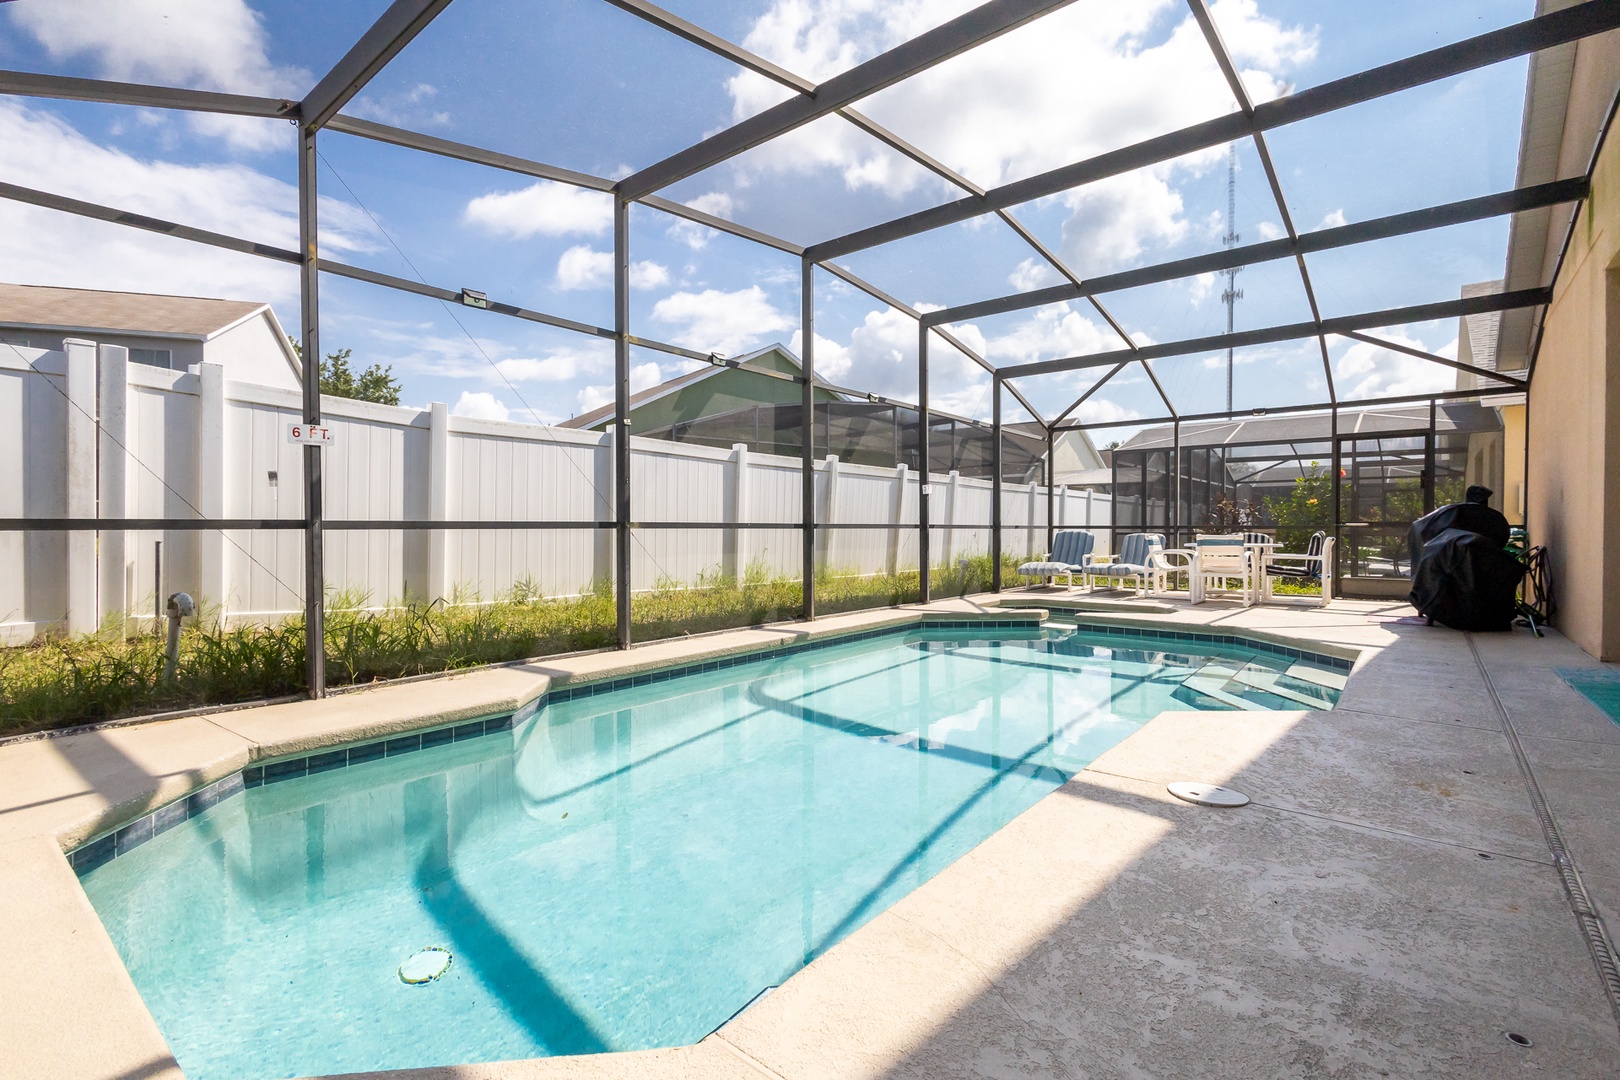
<point>1464,579</point>
<point>1470,517</point>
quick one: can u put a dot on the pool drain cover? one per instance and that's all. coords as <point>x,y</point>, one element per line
<point>1208,794</point>
<point>425,966</point>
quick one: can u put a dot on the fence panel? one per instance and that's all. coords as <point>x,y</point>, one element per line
<point>189,444</point>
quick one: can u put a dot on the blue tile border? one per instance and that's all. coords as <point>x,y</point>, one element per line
<point>645,678</point>
<point>394,746</point>
<point>103,849</point>
<point>88,856</point>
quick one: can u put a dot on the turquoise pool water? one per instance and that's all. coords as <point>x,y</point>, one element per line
<point>625,870</point>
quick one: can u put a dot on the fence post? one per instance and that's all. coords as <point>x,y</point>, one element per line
<point>896,513</point>
<point>953,480</point>
<point>740,512</point>
<point>212,585</point>
<point>1029,531</point>
<point>113,408</point>
<point>824,535</point>
<point>81,484</point>
<point>438,499</point>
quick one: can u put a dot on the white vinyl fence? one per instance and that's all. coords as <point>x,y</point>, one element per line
<point>83,433</point>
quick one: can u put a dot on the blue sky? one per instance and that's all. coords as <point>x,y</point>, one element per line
<point>580,84</point>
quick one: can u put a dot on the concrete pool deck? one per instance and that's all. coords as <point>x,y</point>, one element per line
<point>1342,924</point>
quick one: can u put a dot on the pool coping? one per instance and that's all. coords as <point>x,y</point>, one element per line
<point>210,750</point>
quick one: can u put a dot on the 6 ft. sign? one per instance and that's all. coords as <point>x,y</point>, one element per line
<point>310,435</point>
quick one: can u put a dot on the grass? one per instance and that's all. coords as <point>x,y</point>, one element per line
<point>61,682</point>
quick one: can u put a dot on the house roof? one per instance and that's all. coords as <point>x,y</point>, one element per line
<point>670,386</point>
<point>46,307</point>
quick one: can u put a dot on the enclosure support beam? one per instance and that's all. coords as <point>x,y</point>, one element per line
<point>621,419</point>
<point>68,88</point>
<point>1173,518</point>
<point>1051,482</point>
<point>1445,309</point>
<point>1338,511</point>
<point>309,317</point>
<point>995,484</point>
<point>923,486</point>
<point>922,52</point>
<point>807,449</point>
<point>392,31</point>
<point>1340,236</point>
<point>1531,35</point>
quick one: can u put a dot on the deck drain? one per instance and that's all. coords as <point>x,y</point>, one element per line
<point>425,966</point>
<point>1207,794</point>
<point>1484,854</point>
<point>1518,1040</point>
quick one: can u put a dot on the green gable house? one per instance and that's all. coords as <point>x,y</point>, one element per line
<point>755,400</point>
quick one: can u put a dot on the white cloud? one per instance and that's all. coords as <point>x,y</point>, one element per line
<point>1050,331</point>
<point>1032,273</point>
<point>1113,221</point>
<point>583,268</point>
<point>480,405</point>
<point>1006,109</point>
<point>1332,220</point>
<point>49,248</point>
<point>1099,410</point>
<point>642,377</point>
<point>563,364</point>
<point>693,235</point>
<point>1269,230</point>
<point>648,275</point>
<point>543,208</point>
<point>1364,370</point>
<point>199,44</point>
<point>1201,287</point>
<point>412,108</point>
<point>727,322</point>
<point>832,360</point>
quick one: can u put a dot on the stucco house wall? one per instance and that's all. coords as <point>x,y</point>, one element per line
<point>1573,470</point>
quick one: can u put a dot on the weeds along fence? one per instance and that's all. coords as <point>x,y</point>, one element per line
<point>85,433</point>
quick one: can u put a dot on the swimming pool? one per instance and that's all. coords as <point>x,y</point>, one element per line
<point>631,865</point>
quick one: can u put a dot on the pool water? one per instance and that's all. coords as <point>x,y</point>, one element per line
<point>625,870</point>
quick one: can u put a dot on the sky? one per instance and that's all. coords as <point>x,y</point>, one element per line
<point>583,85</point>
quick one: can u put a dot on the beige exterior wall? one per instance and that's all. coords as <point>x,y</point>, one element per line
<point>1573,481</point>
<point>1513,495</point>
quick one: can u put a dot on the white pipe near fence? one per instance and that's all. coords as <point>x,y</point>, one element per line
<point>85,433</point>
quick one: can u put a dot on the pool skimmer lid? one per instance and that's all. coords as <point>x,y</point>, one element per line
<point>425,966</point>
<point>1207,794</point>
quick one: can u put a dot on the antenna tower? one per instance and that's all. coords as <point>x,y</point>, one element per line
<point>1231,294</point>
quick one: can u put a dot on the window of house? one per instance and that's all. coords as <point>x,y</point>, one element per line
<point>154,357</point>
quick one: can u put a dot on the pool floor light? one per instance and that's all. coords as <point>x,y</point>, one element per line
<point>424,966</point>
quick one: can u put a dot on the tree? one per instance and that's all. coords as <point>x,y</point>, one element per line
<point>338,379</point>
<point>376,383</point>
<point>1304,510</point>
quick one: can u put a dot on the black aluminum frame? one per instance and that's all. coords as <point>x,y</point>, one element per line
<point>404,19</point>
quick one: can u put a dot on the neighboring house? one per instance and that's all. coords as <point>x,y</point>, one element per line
<point>723,406</point>
<point>708,393</point>
<point>241,336</point>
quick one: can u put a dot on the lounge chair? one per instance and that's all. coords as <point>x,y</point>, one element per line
<point>1137,558</point>
<point>1070,550</point>
<point>1311,566</point>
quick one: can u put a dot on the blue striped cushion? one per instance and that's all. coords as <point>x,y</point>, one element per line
<point>1136,548</point>
<point>1072,546</point>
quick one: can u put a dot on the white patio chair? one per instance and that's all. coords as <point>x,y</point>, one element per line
<point>1222,559</point>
